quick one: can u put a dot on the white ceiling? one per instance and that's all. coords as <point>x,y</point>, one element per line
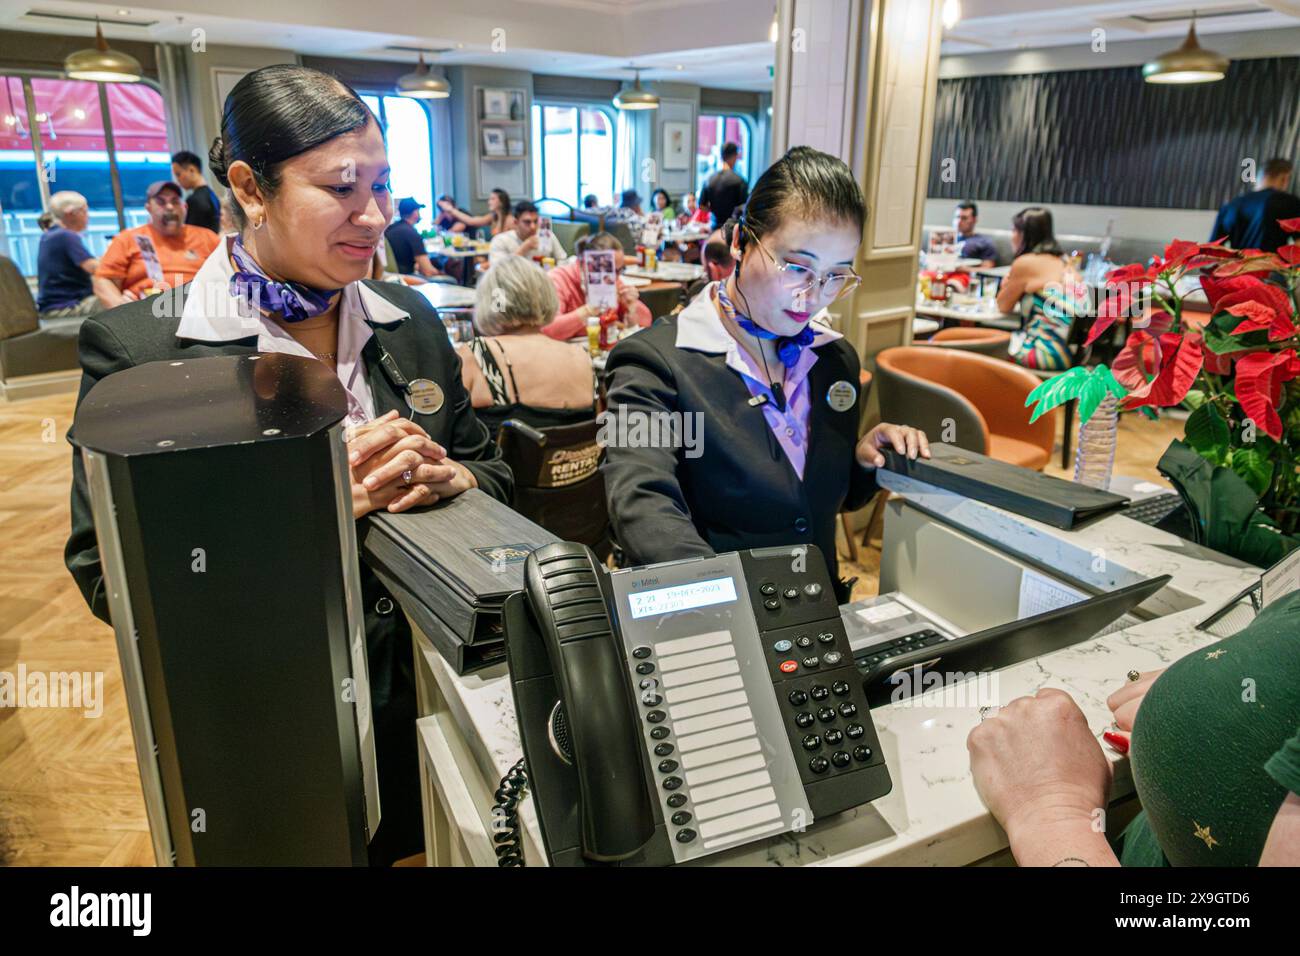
<point>718,43</point>
<point>989,25</point>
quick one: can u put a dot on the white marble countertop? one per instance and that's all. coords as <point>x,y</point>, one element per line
<point>933,815</point>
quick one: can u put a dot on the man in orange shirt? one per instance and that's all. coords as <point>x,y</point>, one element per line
<point>162,253</point>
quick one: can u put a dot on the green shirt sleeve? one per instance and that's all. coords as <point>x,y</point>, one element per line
<point>1284,766</point>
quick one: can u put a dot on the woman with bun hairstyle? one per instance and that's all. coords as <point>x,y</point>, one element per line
<point>305,163</point>
<point>770,390</point>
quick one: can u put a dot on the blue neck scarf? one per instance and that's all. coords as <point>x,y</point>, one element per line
<point>788,347</point>
<point>291,301</point>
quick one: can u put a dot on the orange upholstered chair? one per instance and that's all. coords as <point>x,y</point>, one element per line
<point>971,400</point>
<point>993,342</point>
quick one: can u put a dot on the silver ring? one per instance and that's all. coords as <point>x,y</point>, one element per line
<point>984,712</point>
<point>407,476</point>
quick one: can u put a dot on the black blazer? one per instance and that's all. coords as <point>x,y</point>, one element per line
<point>741,492</point>
<point>132,335</point>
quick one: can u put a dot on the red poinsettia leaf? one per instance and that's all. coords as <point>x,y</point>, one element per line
<point>1256,290</point>
<point>1133,361</point>
<point>1290,225</point>
<point>1259,386</point>
<point>1155,321</point>
<point>1218,364</point>
<point>1216,288</point>
<point>1133,273</point>
<point>1266,262</point>
<point>1290,254</point>
<point>1256,316</point>
<point>1177,252</point>
<point>1175,379</point>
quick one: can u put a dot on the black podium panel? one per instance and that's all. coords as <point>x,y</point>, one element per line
<point>223,514</point>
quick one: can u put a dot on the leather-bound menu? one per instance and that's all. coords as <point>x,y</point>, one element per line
<point>451,567</point>
<point>1031,494</point>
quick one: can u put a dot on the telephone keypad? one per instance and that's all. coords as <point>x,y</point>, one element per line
<point>841,743</point>
<point>676,800</point>
<point>672,783</point>
<point>781,647</point>
<point>685,835</point>
<point>645,667</point>
<point>655,716</point>
<point>790,593</point>
<point>681,818</point>
<point>659,733</point>
<point>663,750</point>
<point>667,766</point>
<point>651,699</point>
<point>641,653</point>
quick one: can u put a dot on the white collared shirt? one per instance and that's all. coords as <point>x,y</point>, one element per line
<point>506,244</point>
<point>213,314</point>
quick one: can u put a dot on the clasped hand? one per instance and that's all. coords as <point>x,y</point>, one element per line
<point>381,453</point>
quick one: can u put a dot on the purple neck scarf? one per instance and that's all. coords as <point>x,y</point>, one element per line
<point>291,301</point>
<point>788,347</point>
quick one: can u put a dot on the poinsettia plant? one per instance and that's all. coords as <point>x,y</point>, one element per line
<point>1235,368</point>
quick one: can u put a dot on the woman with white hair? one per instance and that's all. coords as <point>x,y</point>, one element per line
<point>512,370</point>
<point>63,263</point>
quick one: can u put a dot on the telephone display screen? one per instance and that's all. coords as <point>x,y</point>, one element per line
<point>682,597</point>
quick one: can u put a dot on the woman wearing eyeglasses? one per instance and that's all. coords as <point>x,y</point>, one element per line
<point>760,394</point>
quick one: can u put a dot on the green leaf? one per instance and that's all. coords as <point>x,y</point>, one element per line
<point>1208,433</point>
<point>1253,465</point>
<point>1194,399</point>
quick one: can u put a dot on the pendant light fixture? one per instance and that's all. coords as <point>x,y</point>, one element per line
<point>102,64</point>
<point>636,98</point>
<point>421,84</point>
<point>1190,63</point>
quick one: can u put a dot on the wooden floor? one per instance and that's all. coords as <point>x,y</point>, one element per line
<point>69,789</point>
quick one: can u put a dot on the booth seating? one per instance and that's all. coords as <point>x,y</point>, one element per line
<point>32,350</point>
<point>558,483</point>
<point>992,342</point>
<point>966,399</point>
<point>568,233</point>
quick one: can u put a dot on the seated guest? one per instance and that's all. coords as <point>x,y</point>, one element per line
<point>498,218</point>
<point>202,205</point>
<point>1050,293</point>
<point>1250,220</point>
<point>718,265</point>
<point>510,369</point>
<point>408,245</point>
<point>161,254</point>
<point>630,203</point>
<point>446,221</point>
<point>571,289</point>
<point>523,240</point>
<point>63,264</point>
<point>1219,779</point>
<point>691,212</point>
<point>970,244</point>
<point>659,202</point>
<point>45,220</point>
<point>590,201</point>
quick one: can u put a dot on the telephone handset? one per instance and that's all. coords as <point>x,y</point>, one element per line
<point>673,711</point>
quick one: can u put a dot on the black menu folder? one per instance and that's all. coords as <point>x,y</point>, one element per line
<point>451,567</point>
<point>1031,494</point>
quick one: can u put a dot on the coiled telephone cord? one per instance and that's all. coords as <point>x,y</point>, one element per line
<point>506,837</point>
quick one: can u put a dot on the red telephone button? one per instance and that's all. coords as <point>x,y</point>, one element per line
<point>789,667</point>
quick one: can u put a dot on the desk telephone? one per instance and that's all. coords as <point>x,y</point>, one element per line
<point>673,711</point>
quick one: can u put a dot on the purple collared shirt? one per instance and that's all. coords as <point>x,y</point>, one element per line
<point>700,327</point>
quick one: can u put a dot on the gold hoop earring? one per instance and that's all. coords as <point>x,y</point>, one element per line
<point>260,223</point>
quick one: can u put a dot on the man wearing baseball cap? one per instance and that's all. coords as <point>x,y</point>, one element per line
<point>161,254</point>
<point>408,246</point>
